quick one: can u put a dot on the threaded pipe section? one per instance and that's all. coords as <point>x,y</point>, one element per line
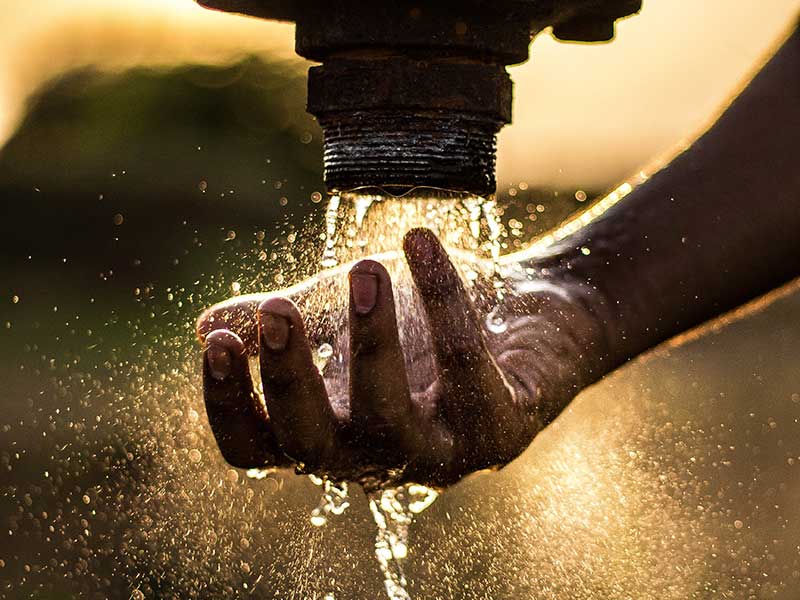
<point>402,150</point>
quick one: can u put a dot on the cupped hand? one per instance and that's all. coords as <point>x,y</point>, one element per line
<point>474,400</point>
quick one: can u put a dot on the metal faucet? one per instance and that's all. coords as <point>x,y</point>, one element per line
<point>413,93</point>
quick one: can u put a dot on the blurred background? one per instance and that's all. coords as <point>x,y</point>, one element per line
<point>155,157</point>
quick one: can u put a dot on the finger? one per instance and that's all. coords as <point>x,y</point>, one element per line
<point>298,405</point>
<point>476,402</point>
<point>237,314</point>
<point>382,415</point>
<point>240,314</point>
<point>235,413</point>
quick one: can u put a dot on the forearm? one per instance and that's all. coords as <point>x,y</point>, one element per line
<point>719,226</point>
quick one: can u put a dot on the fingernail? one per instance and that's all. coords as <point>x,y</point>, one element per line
<point>365,291</point>
<point>219,361</point>
<point>275,330</point>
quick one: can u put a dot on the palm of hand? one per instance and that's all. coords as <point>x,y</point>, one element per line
<point>458,400</point>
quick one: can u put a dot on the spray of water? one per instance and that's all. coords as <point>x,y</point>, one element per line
<point>370,222</point>
<point>393,511</point>
<point>334,500</point>
<point>674,479</point>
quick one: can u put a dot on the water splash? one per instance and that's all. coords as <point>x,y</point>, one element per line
<point>334,500</point>
<point>322,355</point>
<point>368,222</point>
<point>605,505</point>
<point>258,474</point>
<point>329,258</point>
<point>393,510</point>
<point>495,321</point>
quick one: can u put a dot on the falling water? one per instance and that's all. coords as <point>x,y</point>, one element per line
<point>370,222</point>
<point>393,510</point>
<point>334,500</point>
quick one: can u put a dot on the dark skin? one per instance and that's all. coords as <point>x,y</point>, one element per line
<point>719,226</point>
<point>477,413</point>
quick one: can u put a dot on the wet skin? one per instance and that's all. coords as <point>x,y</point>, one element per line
<point>718,227</point>
<point>481,409</point>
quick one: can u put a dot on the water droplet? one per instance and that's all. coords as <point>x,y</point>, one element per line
<point>325,351</point>
<point>86,499</point>
<point>738,524</point>
<point>329,262</point>
<point>194,455</point>
<point>317,518</point>
<point>334,501</point>
<point>495,322</point>
<point>420,497</point>
<point>257,473</point>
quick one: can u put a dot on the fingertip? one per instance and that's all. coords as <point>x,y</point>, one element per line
<point>223,350</point>
<point>369,281</point>
<point>235,315</point>
<point>369,267</point>
<point>226,339</point>
<point>219,362</point>
<point>276,318</point>
<point>433,273</point>
<point>280,306</point>
<point>421,244</point>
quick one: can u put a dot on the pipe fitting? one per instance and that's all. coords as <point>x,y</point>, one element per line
<point>413,92</point>
<point>395,151</point>
<point>423,122</point>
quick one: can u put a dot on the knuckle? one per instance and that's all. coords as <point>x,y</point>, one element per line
<point>364,342</point>
<point>282,382</point>
<point>278,375</point>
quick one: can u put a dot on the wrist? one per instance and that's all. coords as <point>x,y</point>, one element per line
<point>557,341</point>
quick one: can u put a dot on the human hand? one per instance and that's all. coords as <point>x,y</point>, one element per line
<point>453,399</point>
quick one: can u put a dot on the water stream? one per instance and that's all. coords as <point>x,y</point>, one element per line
<point>393,510</point>
<point>370,222</point>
